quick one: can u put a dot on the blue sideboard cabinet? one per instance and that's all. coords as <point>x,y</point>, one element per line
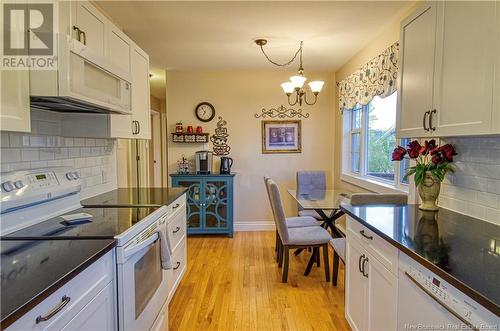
<point>209,202</point>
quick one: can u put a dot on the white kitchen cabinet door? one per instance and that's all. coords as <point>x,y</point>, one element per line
<point>141,111</point>
<point>416,72</point>
<point>356,287</point>
<point>99,314</point>
<point>122,126</point>
<point>118,47</point>
<point>496,87</point>
<point>466,44</point>
<point>382,296</point>
<point>89,26</point>
<point>15,113</point>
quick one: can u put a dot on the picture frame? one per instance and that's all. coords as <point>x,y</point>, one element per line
<point>281,137</point>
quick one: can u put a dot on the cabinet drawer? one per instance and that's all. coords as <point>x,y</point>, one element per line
<point>378,247</point>
<point>175,274</point>
<point>178,203</point>
<point>79,291</point>
<point>176,225</point>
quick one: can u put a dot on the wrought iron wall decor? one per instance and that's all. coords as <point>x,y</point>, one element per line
<point>281,112</point>
<point>220,138</point>
<point>376,78</point>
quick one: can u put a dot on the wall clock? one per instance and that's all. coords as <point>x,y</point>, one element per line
<point>205,112</point>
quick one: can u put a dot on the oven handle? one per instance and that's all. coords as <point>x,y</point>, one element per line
<point>134,249</point>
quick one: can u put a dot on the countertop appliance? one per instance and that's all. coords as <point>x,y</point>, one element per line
<point>83,82</point>
<point>225,165</point>
<point>33,202</point>
<point>204,162</point>
<point>425,300</point>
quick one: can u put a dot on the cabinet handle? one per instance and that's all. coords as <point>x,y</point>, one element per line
<point>424,121</point>
<point>441,303</point>
<point>78,32</point>
<point>365,235</point>
<point>177,265</point>
<point>176,206</point>
<point>431,115</point>
<point>359,262</point>
<point>64,301</point>
<point>84,37</point>
<point>363,267</point>
<point>176,229</point>
<point>138,127</point>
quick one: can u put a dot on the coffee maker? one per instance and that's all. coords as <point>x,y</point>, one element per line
<point>204,161</point>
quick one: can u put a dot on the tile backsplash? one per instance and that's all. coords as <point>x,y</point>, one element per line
<point>474,189</point>
<point>93,158</point>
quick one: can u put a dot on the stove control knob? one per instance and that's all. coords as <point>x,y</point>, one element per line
<point>76,175</point>
<point>7,186</point>
<point>19,184</point>
<point>69,176</point>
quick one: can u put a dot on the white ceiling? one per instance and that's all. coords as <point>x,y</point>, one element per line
<point>208,35</point>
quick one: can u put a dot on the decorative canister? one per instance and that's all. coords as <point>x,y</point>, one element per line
<point>189,129</point>
<point>178,127</point>
<point>199,130</point>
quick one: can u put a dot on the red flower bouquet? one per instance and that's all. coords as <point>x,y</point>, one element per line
<point>429,157</point>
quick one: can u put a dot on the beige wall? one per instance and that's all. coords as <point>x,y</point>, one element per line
<point>388,37</point>
<point>237,96</point>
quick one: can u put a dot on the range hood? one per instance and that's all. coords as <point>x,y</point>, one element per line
<point>67,105</point>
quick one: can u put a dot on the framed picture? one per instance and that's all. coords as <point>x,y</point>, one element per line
<point>281,137</point>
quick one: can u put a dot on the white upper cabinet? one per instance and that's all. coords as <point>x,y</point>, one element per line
<point>119,49</point>
<point>496,88</point>
<point>465,62</point>
<point>15,113</point>
<point>89,26</point>
<point>416,71</point>
<point>447,70</point>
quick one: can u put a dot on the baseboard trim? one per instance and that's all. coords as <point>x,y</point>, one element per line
<point>242,226</point>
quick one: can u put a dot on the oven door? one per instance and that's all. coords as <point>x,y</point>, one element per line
<point>142,284</point>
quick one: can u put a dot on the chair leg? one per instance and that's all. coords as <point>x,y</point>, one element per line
<point>318,259</point>
<point>280,254</point>
<point>311,262</point>
<point>276,242</point>
<point>326,262</point>
<point>335,269</point>
<point>286,254</point>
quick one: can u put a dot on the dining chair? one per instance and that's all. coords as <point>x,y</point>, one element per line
<point>314,237</point>
<point>359,199</point>
<point>291,222</point>
<point>308,181</point>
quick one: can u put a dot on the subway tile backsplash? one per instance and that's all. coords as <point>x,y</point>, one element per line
<point>474,189</point>
<point>94,158</point>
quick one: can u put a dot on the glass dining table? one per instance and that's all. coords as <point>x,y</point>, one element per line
<point>325,202</point>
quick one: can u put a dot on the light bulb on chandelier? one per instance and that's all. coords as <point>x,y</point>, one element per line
<point>294,89</point>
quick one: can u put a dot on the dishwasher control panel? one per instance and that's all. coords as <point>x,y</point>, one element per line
<point>450,298</point>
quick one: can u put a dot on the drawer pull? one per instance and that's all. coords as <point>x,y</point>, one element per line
<point>176,206</point>
<point>64,301</point>
<point>366,236</point>
<point>177,265</point>
<point>176,230</point>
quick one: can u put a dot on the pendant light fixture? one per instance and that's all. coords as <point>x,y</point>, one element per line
<point>294,88</point>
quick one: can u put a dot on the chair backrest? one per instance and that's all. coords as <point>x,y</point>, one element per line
<point>308,181</point>
<point>266,183</point>
<point>278,210</point>
<point>358,199</point>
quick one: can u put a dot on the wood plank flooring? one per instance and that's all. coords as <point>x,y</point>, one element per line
<point>235,284</point>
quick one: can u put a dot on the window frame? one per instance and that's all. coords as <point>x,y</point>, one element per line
<point>362,179</point>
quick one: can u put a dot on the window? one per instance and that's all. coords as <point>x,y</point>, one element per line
<point>369,139</point>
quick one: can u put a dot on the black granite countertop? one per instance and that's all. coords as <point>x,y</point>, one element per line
<point>32,270</point>
<point>463,250</point>
<point>136,197</point>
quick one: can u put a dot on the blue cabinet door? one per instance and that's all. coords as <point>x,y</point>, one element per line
<point>217,205</point>
<point>194,202</point>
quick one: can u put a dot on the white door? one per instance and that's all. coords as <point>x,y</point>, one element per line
<point>465,57</point>
<point>356,287</point>
<point>89,26</point>
<point>156,148</point>
<point>416,72</point>
<point>99,314</point>
<point>382,296</point>
<point>140,93</point>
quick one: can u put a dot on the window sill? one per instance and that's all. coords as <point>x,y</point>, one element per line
<point>371,185</point>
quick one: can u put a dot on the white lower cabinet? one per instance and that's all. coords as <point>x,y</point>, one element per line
<point>87,302</point>
<point>177,234</point>
<point>371,290</point>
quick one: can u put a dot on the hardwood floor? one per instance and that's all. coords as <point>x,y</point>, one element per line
<point>235,284</point>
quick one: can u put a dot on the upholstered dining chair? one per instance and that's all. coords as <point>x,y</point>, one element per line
<point>291,222</point>
<point>358,199</point>
<point>308,181</point>
<point>314,237</point>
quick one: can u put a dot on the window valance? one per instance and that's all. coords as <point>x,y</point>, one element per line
<point>377,77</point>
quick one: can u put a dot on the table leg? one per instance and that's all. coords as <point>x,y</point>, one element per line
<point>329,221</point>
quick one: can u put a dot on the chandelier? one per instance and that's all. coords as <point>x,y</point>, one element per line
<point>295,86</point>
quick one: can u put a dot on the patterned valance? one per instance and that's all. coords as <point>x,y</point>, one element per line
<point>377,77</point>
